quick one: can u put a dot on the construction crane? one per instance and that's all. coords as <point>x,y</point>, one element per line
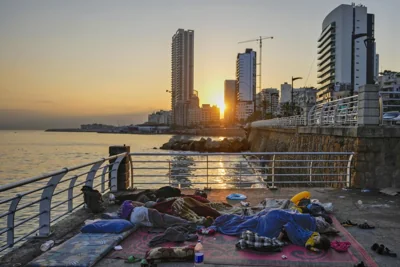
<point>260,57</point>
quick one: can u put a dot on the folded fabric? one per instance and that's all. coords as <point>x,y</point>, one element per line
<point>206,231</point>
<point>251,240</point>
<point>171,254</point>
<point>340,246</point>
<point>115,226</point>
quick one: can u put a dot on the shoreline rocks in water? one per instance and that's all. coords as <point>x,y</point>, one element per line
<point>207,145</point>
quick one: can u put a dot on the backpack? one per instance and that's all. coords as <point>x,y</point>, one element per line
<point>93,199</point>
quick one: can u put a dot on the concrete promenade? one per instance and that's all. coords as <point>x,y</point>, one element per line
<point>379,210</point>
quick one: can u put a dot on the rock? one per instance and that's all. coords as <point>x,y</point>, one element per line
<point>154,148</point>
<point>207,145</point>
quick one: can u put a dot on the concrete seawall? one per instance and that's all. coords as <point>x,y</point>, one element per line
<point>377,158</point>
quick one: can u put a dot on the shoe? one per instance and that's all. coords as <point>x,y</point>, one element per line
<point>366,226</point>
<point>360,264</point>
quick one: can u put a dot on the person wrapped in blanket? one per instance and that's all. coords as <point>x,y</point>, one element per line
<point>300,229</point>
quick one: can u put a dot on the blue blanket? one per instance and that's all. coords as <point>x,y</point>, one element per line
<point>269,223</point>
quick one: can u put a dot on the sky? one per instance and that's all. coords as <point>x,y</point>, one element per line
<point>64,63</point>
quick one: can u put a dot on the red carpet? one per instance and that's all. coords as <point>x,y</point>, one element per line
<point>220,249</point>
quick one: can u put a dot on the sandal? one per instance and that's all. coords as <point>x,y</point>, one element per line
<point>381,249</point>
<point>348,223</point>
<point>366,226</point>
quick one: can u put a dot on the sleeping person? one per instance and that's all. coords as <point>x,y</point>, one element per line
<point>300,229</point>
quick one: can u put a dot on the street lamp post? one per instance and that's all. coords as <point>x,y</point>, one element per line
<point>353,38</point>
<point>293,79</point>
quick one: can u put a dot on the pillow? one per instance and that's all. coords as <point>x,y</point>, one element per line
<point>115,226</point>
<point>171,254</point>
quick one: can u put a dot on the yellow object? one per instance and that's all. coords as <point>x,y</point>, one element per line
<point>311,242</point>
<point>296,199</point>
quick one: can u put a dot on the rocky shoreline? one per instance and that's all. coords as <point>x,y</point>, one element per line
<point>207,145</point>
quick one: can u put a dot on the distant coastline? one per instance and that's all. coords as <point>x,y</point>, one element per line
<point>198,132</point>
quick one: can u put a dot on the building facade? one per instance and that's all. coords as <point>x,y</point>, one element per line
<point>268,101</point>
<point>389,81</point>
<point>335,52</point>
<point>182,75</point>
<point>160,117</point>
<point>304,99</point>
<point>246,69</point>
<point>286,93</point>
<point>206,115</point>
<point>243,110</point>
<point>229,101</point>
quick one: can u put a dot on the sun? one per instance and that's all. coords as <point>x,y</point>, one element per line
<point>220,103</point>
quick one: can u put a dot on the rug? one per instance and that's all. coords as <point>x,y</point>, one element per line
<point>220,249</point>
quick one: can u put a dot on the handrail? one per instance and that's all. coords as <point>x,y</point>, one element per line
<point>176,168</point>
<point>51,174</point>
<point>47,192</point>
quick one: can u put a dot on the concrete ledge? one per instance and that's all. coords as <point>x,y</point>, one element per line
<point>367,131</point>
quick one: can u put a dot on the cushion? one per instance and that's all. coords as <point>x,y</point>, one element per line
<point>115,226</point>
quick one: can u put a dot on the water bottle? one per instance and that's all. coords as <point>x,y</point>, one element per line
<point>47,245</point>
<point>198,254</point>
<point>111,198</point>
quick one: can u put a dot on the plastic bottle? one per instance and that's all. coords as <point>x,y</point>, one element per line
<point>198,254</point>
<point>47,245</point>
<point>111,198</point>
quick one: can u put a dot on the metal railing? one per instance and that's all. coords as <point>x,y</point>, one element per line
<point>343,111</point>
<point>29,207</point>
<point>389,104</point>
<point>246,169</point>
<point>291,121</point>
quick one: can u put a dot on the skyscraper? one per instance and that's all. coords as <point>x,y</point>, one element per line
<point>229,101</point>
<point>246,69</point>
<point>182,68</point>
<point>338,62</point>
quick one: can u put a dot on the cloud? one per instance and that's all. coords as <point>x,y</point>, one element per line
<point>17,119</point>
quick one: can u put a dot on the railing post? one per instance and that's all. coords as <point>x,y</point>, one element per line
<point>273,171</point>
<point>348,176</point>
<point>310,115</point>
<point>380,109</point>
<point>310,171</point>
<point>240,173</point>
<point>45,204</point>
<point>103,179</point>
<point>207,171</point>
<point>92,173</point>
<point>11,219</point>
<point>114,173</point>
<point>131,168</point>
<point>71,193</point>
<point>169,172</point>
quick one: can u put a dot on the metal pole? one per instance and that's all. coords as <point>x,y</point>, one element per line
<point>292,107</point>
<point>259,78</point>
<point>310,171</point>
<point>207,171</point>
<point>240,173</point>
<point>169,172</point>
<point>348,176</point>
<point>273,171</point>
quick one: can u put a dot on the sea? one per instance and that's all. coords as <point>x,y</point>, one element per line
<point>26,154</point>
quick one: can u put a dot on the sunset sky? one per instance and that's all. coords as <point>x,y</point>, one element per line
<point>63,63</point>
